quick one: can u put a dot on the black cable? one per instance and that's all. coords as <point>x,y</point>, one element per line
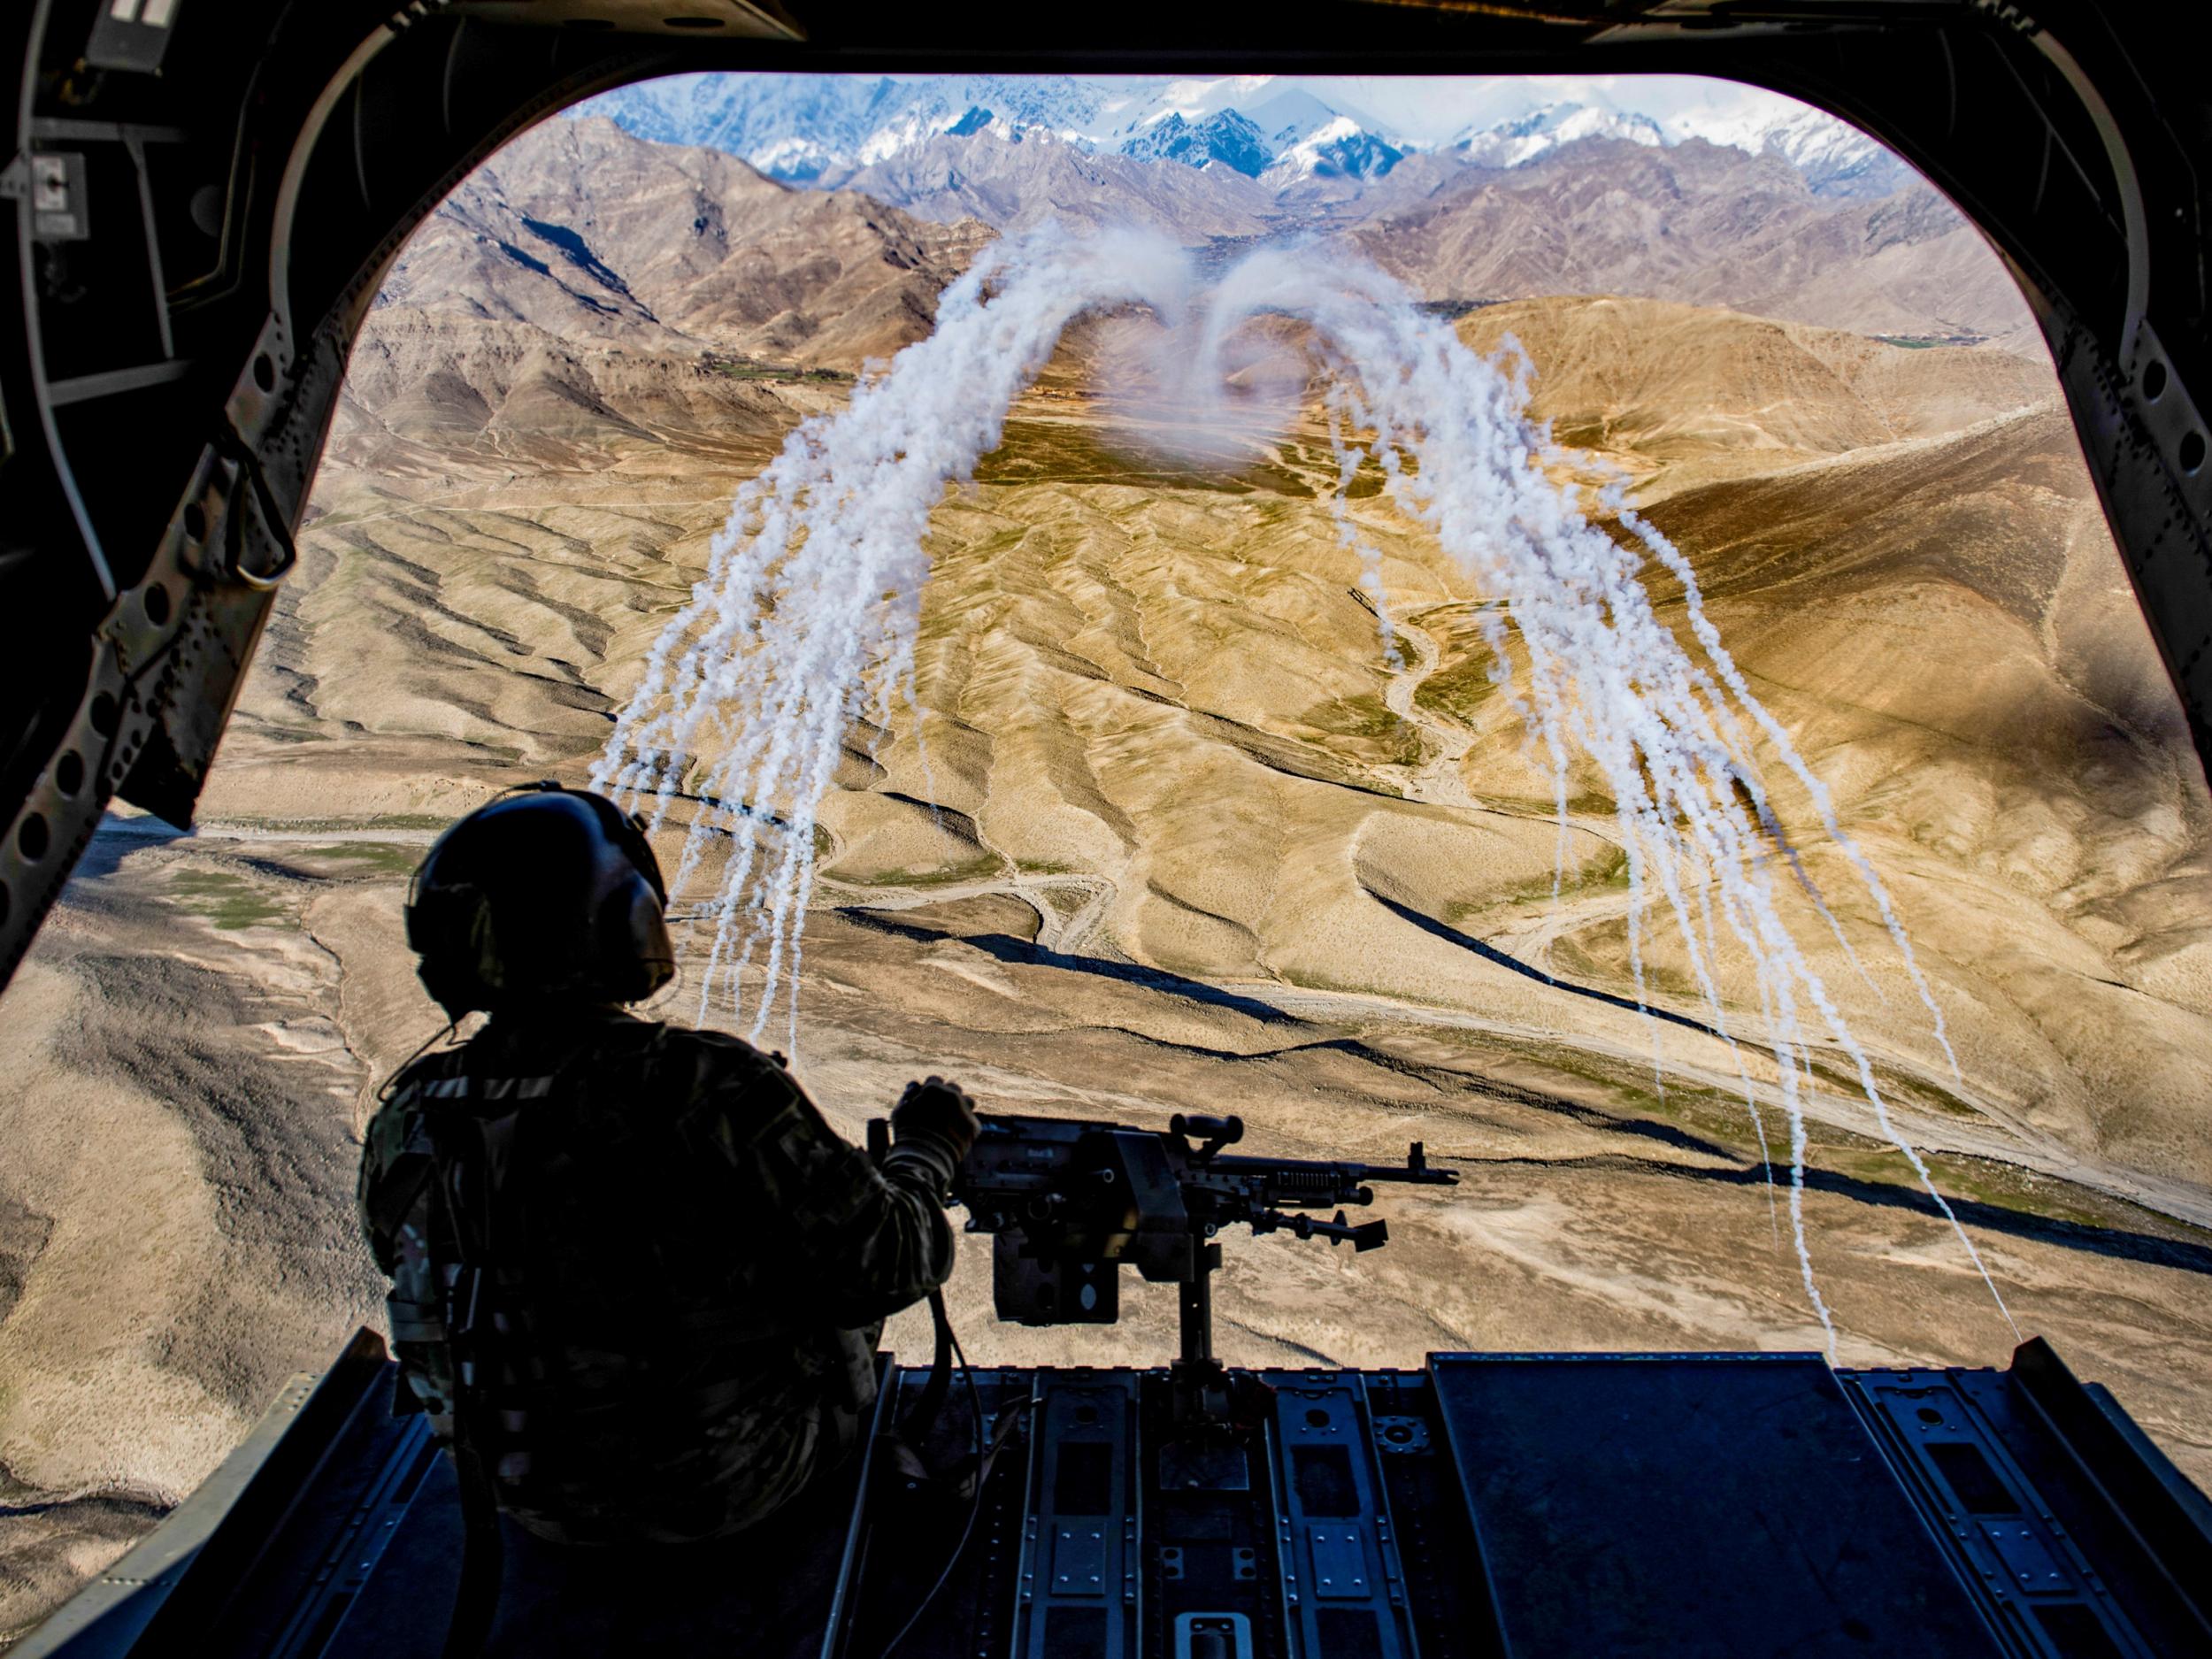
<point>975,1509</point>
<point>924,1416</point>
<point>384,1089</point>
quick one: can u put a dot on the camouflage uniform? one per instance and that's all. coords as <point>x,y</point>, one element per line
<point>657,1275</point>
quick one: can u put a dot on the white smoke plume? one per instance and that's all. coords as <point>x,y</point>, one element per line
<point>806,619</point>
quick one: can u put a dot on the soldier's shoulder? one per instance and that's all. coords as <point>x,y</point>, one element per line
<point>403,1093</point>
<point>392,1124</point>
<point>732,1090</point>
<point>714,1063</point>
<point>717,1047</point>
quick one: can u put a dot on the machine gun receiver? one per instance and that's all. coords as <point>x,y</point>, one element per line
<point>1071,1202</point>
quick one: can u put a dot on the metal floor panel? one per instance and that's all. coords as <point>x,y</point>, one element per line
<point>1630,1506</point>
<point>1687,1505</point>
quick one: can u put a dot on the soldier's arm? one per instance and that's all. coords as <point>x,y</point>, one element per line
<point>388,1183</point>
<point>862,1242</point>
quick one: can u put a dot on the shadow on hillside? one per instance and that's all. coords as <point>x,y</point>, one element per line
<point>1491,953</point>
<point>1006,947</point>
<point>1978,1215</point>
<point>116,838</point>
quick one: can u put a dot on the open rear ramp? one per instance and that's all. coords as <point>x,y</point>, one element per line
<point>1486,1505</point>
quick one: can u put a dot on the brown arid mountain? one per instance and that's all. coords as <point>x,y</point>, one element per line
<point>1015,184</point>
<point>1701,223</point>
<point>681,299</point>
<point>1680,395</point>
<point>1709,225</point>
<point>1197,844</point>
<point>590,233</point>
<point>2047,802</point>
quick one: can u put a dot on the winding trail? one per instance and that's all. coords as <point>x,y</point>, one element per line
<point>1438,780</point>
<point>1528,937</point>
<point>1066,935</point>
<point>1992,1132</point>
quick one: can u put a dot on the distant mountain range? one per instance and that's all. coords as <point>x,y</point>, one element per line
<point>1471,189</point>
<point>1705,224</point>
<point>587,287</point>
<point>1279,130</point>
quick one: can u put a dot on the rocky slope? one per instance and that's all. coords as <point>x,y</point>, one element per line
<point>585,287</point>
<point>589,232</point>
<point>1708,224</point>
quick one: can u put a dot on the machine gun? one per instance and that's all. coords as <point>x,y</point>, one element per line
<point>1070,1204</point>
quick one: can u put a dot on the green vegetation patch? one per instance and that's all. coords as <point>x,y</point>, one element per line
<point>323,825</point>
<point>1452,310</point>
<point>776,373</point>
<point>1895,1086</point>
<point>2008,1186</point>
<point>371,858</point>
<point>1922,342</point>
<point>1369,723</point>
<point>1461,682</point>
<point>1584,432</point>
<point>970,870</point>
<point>1611,870</point>
<point>1458,688</point>
<point>1369,479</point>
<point>1053,452</point>
<point>1064,902</point>
<point>230,901</point>
<point>1596,956</point>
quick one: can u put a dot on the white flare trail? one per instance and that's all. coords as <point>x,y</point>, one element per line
<point>806,618</point>
<point>807,612</point>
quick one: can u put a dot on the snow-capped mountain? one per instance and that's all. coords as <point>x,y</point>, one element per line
<point>1836,158</point>
<point>1229,139</point>
<point>804,128</point>
<point>1508,143</point>
<point>1339,148</point>
<point>820,130</point>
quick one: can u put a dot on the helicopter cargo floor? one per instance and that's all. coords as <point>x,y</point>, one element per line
<point>1485,1505</point>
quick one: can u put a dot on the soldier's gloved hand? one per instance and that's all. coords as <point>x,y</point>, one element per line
<point>935,1110</point>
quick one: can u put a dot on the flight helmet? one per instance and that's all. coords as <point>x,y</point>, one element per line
<point>545,894</point>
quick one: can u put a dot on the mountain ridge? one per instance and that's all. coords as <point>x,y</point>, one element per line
<point>1703,223</point>
<point>1256,124</point>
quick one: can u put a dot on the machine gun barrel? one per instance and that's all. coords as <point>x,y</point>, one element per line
<point>1416,1171</point>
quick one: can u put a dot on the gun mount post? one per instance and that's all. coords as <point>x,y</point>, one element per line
<point>1197,1296</point>
<point>1200,1381</point>
<point>1071,1202</point>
